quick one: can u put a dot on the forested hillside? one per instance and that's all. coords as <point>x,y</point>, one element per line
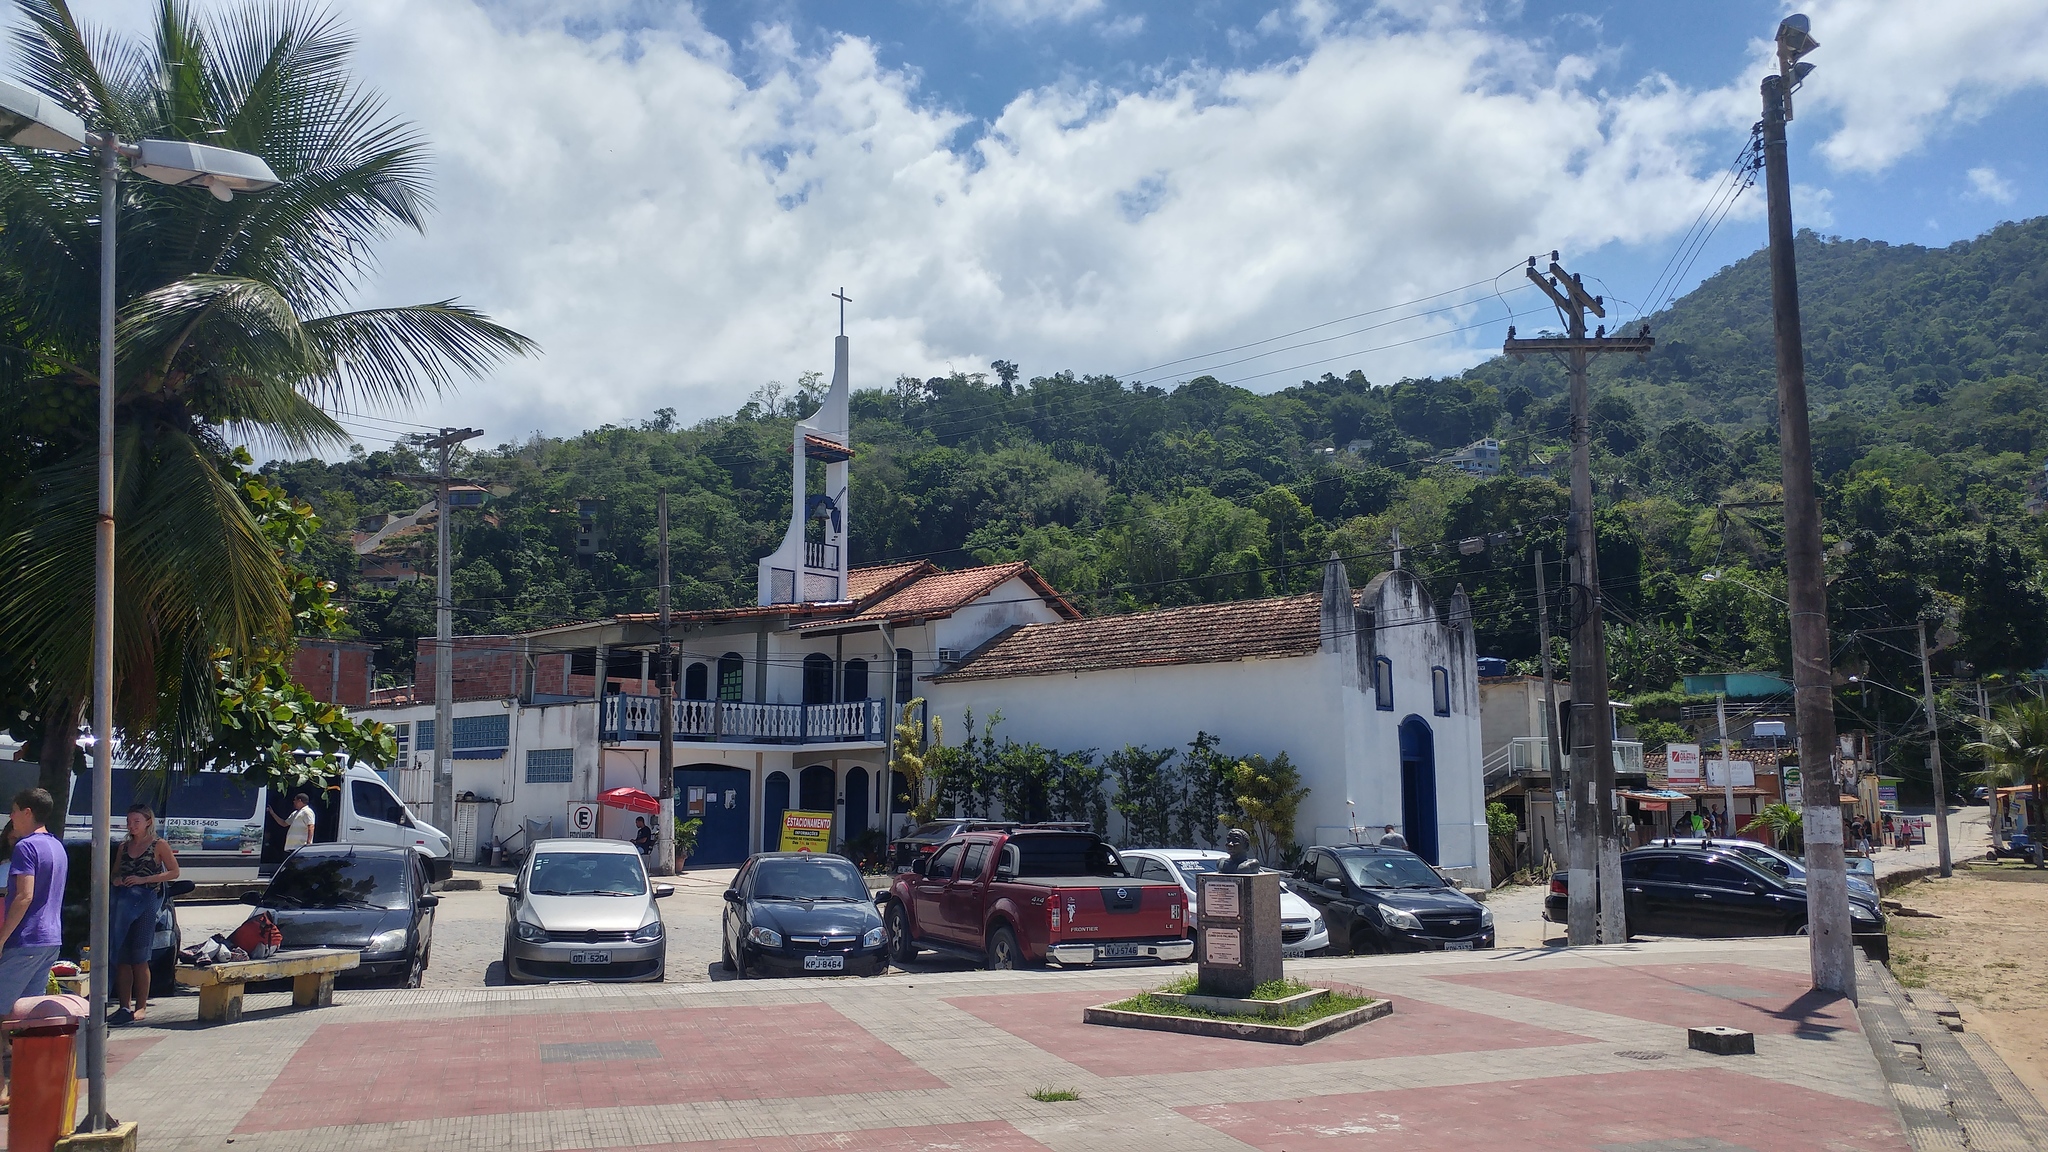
<point>1927,372</point>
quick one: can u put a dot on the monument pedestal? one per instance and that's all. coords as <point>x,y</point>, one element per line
<point>1237,946</point>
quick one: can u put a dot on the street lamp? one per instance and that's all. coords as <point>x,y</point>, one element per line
<point>29,119</point>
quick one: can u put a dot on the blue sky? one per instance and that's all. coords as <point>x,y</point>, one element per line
<point>665,194</point>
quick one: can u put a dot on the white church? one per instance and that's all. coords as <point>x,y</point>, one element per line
<point>788,704</point>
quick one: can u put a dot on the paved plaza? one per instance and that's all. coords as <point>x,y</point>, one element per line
<point>1539,1049</point>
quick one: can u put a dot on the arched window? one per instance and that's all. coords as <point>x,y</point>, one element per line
<point>853,680</point>
<point>697,682</point>
<point>906,680</point>
<point>1383,683</point>
<point>1440,690</point>
<point>732,677</point>
<point>817,678</point>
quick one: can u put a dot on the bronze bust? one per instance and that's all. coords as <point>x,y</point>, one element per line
<point>1240,862</point>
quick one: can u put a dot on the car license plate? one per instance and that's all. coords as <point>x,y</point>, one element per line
<point>590,957</point>
<point>1293,953</point>
<point>1116,951</point>
<point>824,963</point>
<point>1457,945</point>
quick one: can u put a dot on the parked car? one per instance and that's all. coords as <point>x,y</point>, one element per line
<point>1302,929</point>
<point>584,910</point>
<point>1862,868</point>
<point>1389,900</point>
<point>1027,895</point>
<point>1770,859</point>
<point>373,899</point>
<point>927,838</point>
<point>1693,892</point>
<point>801,912</point>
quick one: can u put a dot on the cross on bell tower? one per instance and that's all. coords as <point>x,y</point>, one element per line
<point>844,300</point>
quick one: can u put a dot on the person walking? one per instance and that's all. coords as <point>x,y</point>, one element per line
<point>1392,839</point>
<point>144,864</point>
<point>33,929</point>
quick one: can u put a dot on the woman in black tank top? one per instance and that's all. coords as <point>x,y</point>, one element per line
<point>142,866</point>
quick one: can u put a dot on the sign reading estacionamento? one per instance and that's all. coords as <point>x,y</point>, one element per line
<point>806,831</point>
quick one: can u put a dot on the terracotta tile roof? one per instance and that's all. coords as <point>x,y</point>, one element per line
<point>863,583</point>
<point>935,595</point>
<point>1203,634</point>
<point>819,448</point>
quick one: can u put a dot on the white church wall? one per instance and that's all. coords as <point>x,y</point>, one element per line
<point>1008,604</point>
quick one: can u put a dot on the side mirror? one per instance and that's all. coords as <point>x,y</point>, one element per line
<point>922,866</point>
<point>511,890</point>
<point>1334,884</point>
<point>881,898</point>
<point>179,888</point>
<point>252,897</point>
<point>661,890</point>
<point>732,895</point>
<point>430,901</point>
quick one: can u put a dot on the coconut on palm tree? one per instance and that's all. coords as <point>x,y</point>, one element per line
<point>234,326</point>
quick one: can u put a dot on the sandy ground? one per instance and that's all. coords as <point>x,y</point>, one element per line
<point>1982,940</point>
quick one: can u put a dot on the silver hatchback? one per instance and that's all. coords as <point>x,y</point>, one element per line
<point>584,910</point>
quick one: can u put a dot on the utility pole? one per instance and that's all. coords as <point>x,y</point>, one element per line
<point>665,838</point>
<point>444,630</point>
<point>1595,845</point>
<point>1934,759</point>
<point>1832,950</point>
<point>1560,777</point>
<point>1727,765</point>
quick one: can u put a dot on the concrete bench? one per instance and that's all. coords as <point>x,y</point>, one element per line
<point>311,971</point>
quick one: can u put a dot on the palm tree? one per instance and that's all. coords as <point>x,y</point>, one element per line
<point>2014,745</point>
<point>233,327</point>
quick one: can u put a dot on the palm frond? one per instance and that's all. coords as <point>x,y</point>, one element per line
<point>243,324</point>
<point>382,354</point>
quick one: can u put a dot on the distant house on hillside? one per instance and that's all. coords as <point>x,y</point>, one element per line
<point>1479,458</point>
<point>789,703</point>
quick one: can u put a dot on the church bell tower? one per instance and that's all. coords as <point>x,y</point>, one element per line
<point>810,566</point>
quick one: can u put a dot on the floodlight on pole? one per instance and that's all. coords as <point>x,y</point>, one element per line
<point>29,119</point>
<point>1795,39</point>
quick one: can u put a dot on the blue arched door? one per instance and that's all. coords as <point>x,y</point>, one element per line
<point>856,819</point>
<point>774,802</point>
<point>720,797</point>
<point>1418,787</point>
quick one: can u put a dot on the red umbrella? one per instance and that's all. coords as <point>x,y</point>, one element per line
<point>631,799</point>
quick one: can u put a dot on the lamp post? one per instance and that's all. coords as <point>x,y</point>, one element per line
<point>28,119</point>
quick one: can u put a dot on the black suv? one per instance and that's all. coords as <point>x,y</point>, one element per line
<point>1684,891</point>
<point>1389,900</point>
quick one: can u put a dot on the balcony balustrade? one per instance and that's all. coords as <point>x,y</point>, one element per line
<point>727,721</point>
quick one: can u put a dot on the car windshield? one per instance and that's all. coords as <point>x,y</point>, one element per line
<point>938,830</point>
<point>1195,864</point>
<point>1391,870</point>
<point>823,878</point>
<point>325,881</point>
<point>587,874</point>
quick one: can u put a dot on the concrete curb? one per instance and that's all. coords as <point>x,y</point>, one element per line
<point>1246,1028</point>
<point>1952,1091</point>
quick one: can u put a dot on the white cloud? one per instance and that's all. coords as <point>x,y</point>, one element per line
<point>1987,184</point>
<point>1812,207</point>
<point>1022,12</point>
<point>1897,71</point>
<point>667,213</point>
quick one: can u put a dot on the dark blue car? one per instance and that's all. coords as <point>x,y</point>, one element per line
<point>801,912</point>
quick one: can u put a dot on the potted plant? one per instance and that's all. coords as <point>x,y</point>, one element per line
<point>686,839</point>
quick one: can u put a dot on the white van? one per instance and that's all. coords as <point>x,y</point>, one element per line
<point>215,820</point>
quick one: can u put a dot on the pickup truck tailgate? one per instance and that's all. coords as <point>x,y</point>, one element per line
<point>1094,919</point>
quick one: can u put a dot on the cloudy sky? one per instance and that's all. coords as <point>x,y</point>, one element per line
<point>664,194</point>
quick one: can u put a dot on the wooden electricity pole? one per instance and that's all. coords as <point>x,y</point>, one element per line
<point>1593,841</point>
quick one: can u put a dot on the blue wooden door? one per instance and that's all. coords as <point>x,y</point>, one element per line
<point>719,796</point>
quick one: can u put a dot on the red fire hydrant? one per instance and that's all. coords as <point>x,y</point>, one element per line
<point>44,1108</point>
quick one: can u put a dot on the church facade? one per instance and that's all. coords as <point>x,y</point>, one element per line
<point>789,703</point>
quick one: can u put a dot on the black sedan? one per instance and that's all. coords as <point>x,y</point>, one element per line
<point>799,912</point>
<point>1694,892</point>
<point>372,899</point>
<point>1389,900</point>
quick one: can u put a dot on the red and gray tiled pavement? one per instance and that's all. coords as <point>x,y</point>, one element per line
<point>1534,1050</point>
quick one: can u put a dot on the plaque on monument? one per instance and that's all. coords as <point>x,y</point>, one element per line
<point>1238,922</point>
<point>1220,897</point>
<point>1222,946</point>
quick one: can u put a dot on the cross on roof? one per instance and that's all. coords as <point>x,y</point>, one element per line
<point>844,300</point>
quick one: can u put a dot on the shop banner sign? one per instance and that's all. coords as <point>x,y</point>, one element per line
<point>1722,773</point>
<point>806,831</point>
<point>1682,763</point>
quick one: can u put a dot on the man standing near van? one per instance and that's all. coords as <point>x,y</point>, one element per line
<point>298,831</point>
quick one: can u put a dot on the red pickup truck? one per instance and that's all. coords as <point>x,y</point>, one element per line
<point>1022,896</point>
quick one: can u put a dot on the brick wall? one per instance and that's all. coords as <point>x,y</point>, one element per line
<point>334,671</point>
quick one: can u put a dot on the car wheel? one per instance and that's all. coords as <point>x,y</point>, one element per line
<point>1365,943</point>
<point>1002,949</point>
<point>506,960</point>
<point>740,965</point>
<point>725,954</point>
<point>661,973</point>
<point>896,923</point>
<point>416,972</point>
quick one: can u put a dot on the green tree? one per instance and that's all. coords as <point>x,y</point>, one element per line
<point>1146,790</point>
<point>1268,794</point>
<point>232,326</point>
<point>2014,745</point>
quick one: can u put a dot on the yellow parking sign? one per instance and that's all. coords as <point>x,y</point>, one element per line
<point>806,831</point>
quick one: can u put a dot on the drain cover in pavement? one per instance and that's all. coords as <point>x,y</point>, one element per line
<point>1641,1055</point>
<point>606,1050</point>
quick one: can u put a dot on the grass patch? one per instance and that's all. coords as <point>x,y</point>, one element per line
<point>1279,989</point>
<point>1053,1095</point>
<point>1336,1002</point>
